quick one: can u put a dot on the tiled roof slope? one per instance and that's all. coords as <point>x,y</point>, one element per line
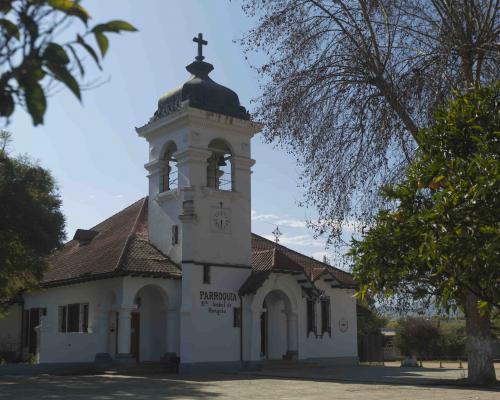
<point>285,258</point>
<point>268,256</point>
<point>120,247</point>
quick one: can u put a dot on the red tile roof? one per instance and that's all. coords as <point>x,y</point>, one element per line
<point>122,247</point>
<point>268,256</point>
<point>285,258</point>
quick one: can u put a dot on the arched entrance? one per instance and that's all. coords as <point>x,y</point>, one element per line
<point>148,339</point>
<point>278,327</point>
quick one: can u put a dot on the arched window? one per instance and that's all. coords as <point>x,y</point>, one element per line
<point>220,166</point>
<point>169,174</point>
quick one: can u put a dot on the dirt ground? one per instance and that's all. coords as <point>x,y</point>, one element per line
<point>366,383</point>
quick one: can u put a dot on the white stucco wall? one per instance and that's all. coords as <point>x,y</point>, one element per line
<point>105,298</point>
<point>339,344</point>
<point>55,346</point>
<point>207,332</point>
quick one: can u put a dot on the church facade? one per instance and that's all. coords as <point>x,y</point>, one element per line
<point>178,275</point>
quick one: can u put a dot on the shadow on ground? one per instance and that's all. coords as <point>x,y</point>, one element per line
<point>366,382</point>
<point>102,387</point>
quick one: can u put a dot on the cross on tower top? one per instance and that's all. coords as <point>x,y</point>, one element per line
<point>277,233</point>
<point>201,42</point>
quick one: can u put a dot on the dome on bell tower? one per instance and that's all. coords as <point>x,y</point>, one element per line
<point>202,92</point>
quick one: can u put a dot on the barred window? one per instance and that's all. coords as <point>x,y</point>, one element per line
<point>220,166</point>
<point>169,175</point>
<point>325,316</point>
<point>311,316</point>
<point>74,317</point>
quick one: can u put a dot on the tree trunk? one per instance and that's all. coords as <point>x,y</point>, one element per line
<point>481,370</point>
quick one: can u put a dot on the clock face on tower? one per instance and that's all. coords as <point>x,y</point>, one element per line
<point>221,220</point>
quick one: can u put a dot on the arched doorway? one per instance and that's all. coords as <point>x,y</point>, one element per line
<point>278,327</point>
<point>148,340</point>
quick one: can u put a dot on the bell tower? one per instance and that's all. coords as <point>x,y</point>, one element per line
<point>200,203</point>
<point>199,171</point>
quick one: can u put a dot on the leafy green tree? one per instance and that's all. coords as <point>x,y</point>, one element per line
<point>453,339</point>
<point>417,337</point>
<point>439,240</point>
<point>31,223</point>
<point>370,320</point>
<point>32,57</point>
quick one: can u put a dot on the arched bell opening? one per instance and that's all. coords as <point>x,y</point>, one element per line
<point>220,166</point>
<point>169,175</point>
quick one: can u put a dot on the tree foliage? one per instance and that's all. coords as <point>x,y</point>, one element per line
<point>348,84</point>
<point>32,55</point>
<point>417,337</point>
<point>31,224</point>
<point>442,235</point>
<point>440,239</point>
<point>369,320</point>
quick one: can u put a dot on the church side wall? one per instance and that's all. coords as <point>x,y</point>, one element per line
<point>55,346</point>
<point>339,344</point>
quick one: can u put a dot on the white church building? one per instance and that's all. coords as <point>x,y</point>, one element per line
<point>178,275</point>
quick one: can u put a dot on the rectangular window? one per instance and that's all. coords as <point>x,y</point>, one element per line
<point>62,318</point>
<point>311,316</point>
<point>85,318</point>
<point>175,234</point>
<point>74,317</point>
<point>325,316</point>
<point>237,317</point>
<point>206,274</point>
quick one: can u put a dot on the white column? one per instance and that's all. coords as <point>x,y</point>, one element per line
<point>101,326</point>
<point>255,338</point>
<point>124,330</point>
<point>172,332</point>
<point>292,331</point>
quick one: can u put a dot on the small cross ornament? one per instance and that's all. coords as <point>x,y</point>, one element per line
<point>277,233</point>
<point>201,43</point>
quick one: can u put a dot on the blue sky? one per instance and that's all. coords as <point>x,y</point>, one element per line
<point>92,148</point>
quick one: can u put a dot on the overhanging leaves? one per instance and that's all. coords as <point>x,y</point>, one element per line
<point>35,102</point>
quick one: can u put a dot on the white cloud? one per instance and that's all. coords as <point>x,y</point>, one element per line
<point>291,223</point>
<point>278,220</point>
<point>263,217</point>
<point>297,240</point>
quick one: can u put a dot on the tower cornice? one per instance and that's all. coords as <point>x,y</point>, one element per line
<point>192,116</point>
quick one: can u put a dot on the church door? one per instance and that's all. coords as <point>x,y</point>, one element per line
<point>135,335</point>
<point>263,334</point>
